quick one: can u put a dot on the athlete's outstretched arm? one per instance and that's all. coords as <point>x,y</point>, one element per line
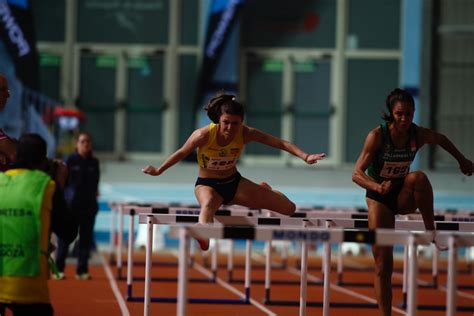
<point>254,135</point>
<point>428,136</point>
<point>198,138</point>
<point>367,155</point>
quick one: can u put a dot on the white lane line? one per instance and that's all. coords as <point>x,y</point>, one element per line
<point>226,285</point>
<point>341,289</point>
<point>458,292</point>
<point>335,287</point>
<point>113,285</point>
<point>229,287</point>
<point>399,276</point>
<point>345,291</point>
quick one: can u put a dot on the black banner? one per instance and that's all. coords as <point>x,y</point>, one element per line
<point>17,32</point>
<point>224,14</point>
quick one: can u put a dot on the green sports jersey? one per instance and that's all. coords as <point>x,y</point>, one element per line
<point>391,162</point>
<point>21,198</point>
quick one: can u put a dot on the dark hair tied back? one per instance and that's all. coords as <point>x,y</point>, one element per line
<point>223,103</point>
<point>397,95</point>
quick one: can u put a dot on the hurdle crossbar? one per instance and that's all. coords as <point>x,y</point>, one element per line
<point>251,233</point>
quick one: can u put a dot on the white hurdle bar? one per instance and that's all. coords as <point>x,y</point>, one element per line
<point>334,235</point>
<point>124,209</point>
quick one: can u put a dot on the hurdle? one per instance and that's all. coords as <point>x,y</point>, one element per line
<point>298,222</point>
<point>174,212</point>
<point>228,220</point>
<point>303,213</point>
<point>411,225</point>
<point>116,235</point>
<point>334,235</point>
<point>363,224</point>
<point>453,217</point>
<point>124,209</point>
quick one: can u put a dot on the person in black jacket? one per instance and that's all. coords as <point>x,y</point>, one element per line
<point>81,193</point>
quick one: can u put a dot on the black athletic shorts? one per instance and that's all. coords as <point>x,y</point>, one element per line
<point>226,187</point>
<point>390,199</point>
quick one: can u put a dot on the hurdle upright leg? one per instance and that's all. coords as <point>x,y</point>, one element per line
<point>468,256</point>
<point>412,274</point>
<point>451,305</point>
<point>120,244</point>
<point>214,263</point>
<point>304,277</point>
<point>113,235</point>
<point>340,264</point>
<point>192,254</point>
<point>149,249</point>
<point>248,270</point>
<point>435,267</point>
<point>268,267</point>
<point>326,276</point>
<point>284,255</point>
<point>405,277</point>
<point>183,271</point>
<point>130,255</point>
<point>230,260</point>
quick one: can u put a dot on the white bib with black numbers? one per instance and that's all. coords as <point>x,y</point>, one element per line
<point>221,163</point>
<point>398,169</point>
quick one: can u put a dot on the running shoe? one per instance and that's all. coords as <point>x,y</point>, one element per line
<point>83,276</point>
<point>58,276</point>
<point>203,244</point>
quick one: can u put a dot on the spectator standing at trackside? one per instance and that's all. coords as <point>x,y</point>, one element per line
<point>31,206</point>
<point>81,191</point>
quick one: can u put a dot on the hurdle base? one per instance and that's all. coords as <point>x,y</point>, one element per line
<point>443,308</point>
<point>276,266</point>
<point>279,282</point>
<point>153,264</point>
<point>396,285</point>
<point>320,304</point>
<point>141,299</point>
<point>170,279</point>
<point>403,305</point>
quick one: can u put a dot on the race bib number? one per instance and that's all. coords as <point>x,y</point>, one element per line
<point>395,169</point>
<point>221,163</point>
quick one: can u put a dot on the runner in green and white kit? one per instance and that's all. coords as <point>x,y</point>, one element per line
<point>391,188</point>
<point>392,163</point>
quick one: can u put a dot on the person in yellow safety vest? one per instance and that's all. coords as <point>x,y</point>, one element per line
<point>31,206</point>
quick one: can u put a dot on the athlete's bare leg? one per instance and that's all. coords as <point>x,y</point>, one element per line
<point>210,201</point>
<point>380,216</point>
<point>417,193</point>
<point>262,196</point>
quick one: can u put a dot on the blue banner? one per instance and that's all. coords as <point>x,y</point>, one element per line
<point>222,19</point>
<point>17,32</point>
